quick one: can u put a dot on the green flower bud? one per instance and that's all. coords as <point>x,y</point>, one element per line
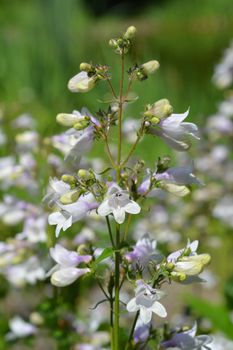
<point>150,67</point>
<point>113,43</point>
<point>81,124</point>
<point>178,276</point>
<point>86,67</point>
<point>68,179</point>
<point>170,266</point>
<point>85,174</point>
<point>70,197</point>
<point>155,120</point>
<point>83,250</point>
<point>130,33</point>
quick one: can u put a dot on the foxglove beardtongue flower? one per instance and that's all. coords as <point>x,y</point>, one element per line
<point>188,341</point>
<point>143,252</point>
<point>70,213</point>
<point>20,329</point>
<point>118,203</point>
<point>81,82</point>
<point>146,301</point>
<point>172,180</point>
<point>65,272</point>
<point>187,261</point>
<point>56,189</point>
<point>175,132</point>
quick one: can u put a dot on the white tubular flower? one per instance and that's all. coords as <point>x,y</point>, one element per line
<point>66,272</point>
<point>81,82</point>
<point>146,301</point>
<point>118,203</point>
<point>70,213</point>
<point>175,132</point>
<point>20,329</point>
<point>57,188</point>
<point>190,263</point>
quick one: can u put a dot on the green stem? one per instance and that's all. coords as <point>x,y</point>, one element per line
<point>132,331</point>
<point>120,118</point>
<point>112,89</point>
<point>110,231</point>
<point>140,133</point>
<point>109,152</point>
<point>117,289</point>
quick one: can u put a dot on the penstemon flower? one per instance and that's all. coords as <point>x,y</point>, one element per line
<point>119,189</point>
<point>118,203</point>
<point>66,272</point>
<point>175,132</point>
<point>146,302</point>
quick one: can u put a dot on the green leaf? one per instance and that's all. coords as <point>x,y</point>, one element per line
<point>106,253</point>
<point>217,314</point>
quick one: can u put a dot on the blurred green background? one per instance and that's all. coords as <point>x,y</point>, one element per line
<point>42,43</point>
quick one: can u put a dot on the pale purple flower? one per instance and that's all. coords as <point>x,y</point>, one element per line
<point>146,302</point>
<point>178,175</point>
<point>34,229</point>
<point>56,189</point>
<point>143,252</point>
<point>75,144</point>
<point>30,271</point>
<point>223,75</point>
<point>24,121</point>
<point>223,210</point>
<point>142,332</point>
<point>20,329</point>
<point>188,341</point>
<point>70,213</point>
<point>175,132</point>
<point>65,271</point>
<point>118,203</point>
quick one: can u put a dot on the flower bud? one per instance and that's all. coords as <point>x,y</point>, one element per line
<point>81,124</point>
<point>67,119</point>
<point>160,109</point>
<point>85,174</point>
<point>150,67</point>
<point>130,33</point>
<point>36,318</point>
<point>70,197</point>
<point>81,82</point>
<point>177,190</point>
<point>204,259</point>
<point>68,179</point>
<point>86,67</point>
<point>83,250</point>
<point>170,266</point>
<point>178,276</point>
<point>113,43</point>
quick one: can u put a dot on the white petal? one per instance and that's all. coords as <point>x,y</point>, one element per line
<point>56,218</point>
<point>119,215</point>
<point>132,306</point>
<point>65,277</point>
<point>159,309</point>
<point>145,315</point>
<point>63,256</point>
<point>104,209</point>
<point>132,208</point>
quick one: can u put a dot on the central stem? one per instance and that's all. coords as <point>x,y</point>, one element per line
<point>120,118</point>
<point>117,289</point>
